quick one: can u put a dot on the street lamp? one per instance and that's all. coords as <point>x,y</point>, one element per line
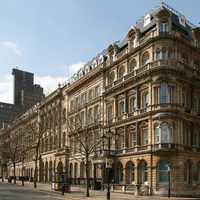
<point>169,181</point>
<point>108,164</point>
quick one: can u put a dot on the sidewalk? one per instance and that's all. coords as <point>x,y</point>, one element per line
<point>78,193</point>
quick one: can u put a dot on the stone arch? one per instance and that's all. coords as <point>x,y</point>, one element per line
<point>130,172</point>
<point>163,167</point>
<point>60,167</point>
<point>143,172</point>
<point>118,172</point>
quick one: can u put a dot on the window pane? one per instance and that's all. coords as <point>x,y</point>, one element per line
<point>164,93</point>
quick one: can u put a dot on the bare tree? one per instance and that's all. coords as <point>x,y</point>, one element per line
<point>13,143</point>
<point>38,133</point>
<point>86,138</point>
<point>22,156</point>
<point>4,156</point>
<point>35,131</point>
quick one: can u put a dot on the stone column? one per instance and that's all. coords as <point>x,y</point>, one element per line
<point>137,177</point>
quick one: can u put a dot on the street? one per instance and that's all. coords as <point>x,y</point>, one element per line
<point>16,192</point>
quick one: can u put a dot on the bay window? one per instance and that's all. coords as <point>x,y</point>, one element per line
<point>163,133</point>
<point>164,93</point>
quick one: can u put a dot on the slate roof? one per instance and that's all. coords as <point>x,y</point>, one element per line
<point>140,25</point>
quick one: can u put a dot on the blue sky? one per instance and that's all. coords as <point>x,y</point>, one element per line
<point>53,38</point>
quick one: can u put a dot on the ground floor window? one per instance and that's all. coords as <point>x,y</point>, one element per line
<point>130,175</point>
<point>143,172</point>
<point>163,171</point>
<point>118,173</point>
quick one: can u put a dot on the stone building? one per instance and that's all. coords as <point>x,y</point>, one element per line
<point>146,90</point>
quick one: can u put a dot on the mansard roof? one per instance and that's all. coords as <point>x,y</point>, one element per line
<point>176,18</point>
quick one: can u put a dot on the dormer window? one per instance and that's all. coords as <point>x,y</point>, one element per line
<point>87,69</point>
<point>164,28</point>
<point>147,20</point>
<point>182,20</point>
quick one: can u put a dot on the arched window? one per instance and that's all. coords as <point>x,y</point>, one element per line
<point>188,172</point>
<point>119,173</point>
<point>145,58</point>
<point>121,71</point>
<point>111,77</point>
<point>60,168</point>
<point>132,65</point>
<point>143,172</point>
<point>130,174</point>
<point>163,171</point>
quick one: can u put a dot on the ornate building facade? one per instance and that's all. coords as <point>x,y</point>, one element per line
<point>146,90</point>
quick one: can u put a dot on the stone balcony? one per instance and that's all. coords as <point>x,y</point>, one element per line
<point>170,64</point>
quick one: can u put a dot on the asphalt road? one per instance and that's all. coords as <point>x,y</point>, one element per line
<point>16,192</point>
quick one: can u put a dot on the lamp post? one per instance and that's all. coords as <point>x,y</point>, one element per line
<point>169,181</point>
<point>108,164</point>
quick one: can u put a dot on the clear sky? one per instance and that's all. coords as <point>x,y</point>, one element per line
<point>53,38</point>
